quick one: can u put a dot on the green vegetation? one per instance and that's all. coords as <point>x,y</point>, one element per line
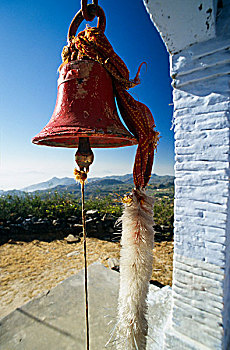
<point>163,213</point>
<point>164,205</point>
<point>48,206</point>
<point>63,205</point>
<point>53,206</point>
<point>107,204</point>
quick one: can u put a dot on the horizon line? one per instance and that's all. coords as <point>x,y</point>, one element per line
<point>37,183</point>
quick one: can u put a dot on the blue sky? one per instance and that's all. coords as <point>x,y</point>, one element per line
<point>33,34</point>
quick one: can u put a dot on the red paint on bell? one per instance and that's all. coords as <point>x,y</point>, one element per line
<point>85,107</point>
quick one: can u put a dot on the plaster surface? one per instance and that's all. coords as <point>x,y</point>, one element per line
<point>182,23</point>
<point>201,98</point>
<point>196,34</point>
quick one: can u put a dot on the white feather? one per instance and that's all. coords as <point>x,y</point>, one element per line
<point>135,271</point>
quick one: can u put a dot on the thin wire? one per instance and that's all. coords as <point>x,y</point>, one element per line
<point>85,260</point>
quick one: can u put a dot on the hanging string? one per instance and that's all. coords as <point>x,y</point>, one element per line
<point>85,262</point>
<point>81,177</point>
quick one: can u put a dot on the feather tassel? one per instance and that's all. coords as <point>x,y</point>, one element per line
<point>136,263</point>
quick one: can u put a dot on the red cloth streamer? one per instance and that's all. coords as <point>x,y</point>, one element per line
<point>92,43</point>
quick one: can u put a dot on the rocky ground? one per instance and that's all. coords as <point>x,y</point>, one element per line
<point>30,268</point>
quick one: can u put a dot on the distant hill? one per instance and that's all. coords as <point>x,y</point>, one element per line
<point>46,185</point>
<point>107,182</point>
<point>12,193</point>
<point>120,184</point>
<point>94,187</point>
<point>128,178</point>
<point>60,183</point>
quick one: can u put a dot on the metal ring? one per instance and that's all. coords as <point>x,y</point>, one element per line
<point>78,19</point>
<point>84,8</point>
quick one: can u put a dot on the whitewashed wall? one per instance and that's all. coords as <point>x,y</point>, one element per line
<point>197,34</point>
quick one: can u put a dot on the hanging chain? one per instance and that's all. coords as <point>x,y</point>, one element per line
<point>88,15</point>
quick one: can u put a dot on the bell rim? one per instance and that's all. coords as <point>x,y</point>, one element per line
<point>117,141</point>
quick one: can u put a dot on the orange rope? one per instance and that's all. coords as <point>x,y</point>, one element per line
<point>93,44</point>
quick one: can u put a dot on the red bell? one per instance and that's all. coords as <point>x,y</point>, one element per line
<point>85,107</point>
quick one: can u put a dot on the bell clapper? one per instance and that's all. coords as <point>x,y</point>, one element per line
<point>84,158</point>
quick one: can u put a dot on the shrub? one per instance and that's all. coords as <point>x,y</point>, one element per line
<point>48,206</point>
<point>64,205</point>
<point>163,213</point>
